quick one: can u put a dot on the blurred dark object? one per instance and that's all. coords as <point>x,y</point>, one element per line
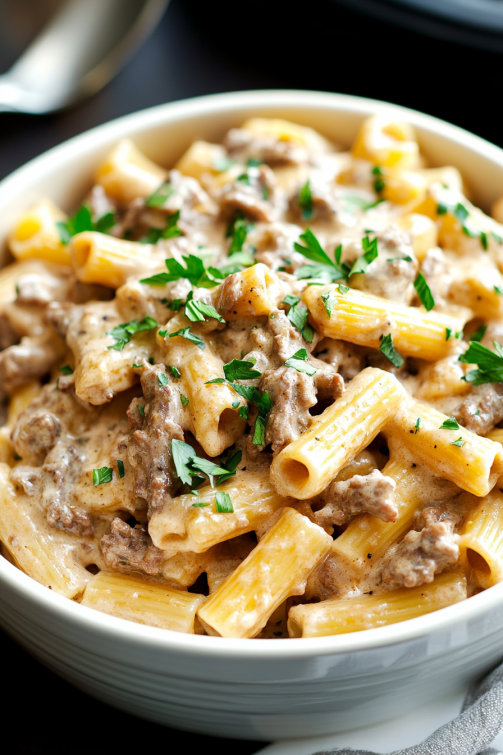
<point>478,23</point>
<point>76,53</point>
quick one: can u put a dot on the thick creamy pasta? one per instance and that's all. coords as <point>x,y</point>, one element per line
<point>259,392</point>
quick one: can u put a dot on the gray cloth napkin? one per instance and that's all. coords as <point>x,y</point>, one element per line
<point>479,722</point>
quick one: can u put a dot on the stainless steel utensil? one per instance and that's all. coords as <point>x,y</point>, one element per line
<point>77,53</point>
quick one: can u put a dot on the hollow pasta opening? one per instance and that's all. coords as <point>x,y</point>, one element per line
<point>296,472</point>
<point>27,229</point>
<point>294,628</point>
<point>477,561</point>
<point>82,250</point>
<point>227,422</point>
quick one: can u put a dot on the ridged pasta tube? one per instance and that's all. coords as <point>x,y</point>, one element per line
<point>385,141</point>
<point>363,319</point>
<point>36,235</point>
<point>276,569</point>
<point>470,461</point>
<point>305,467</point>
<point>127,174</point>
<point>481,542</point>
<point>345,615</point>
<point>143,602</point>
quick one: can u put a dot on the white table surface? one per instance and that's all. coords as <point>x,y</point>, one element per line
<point>387,737</point>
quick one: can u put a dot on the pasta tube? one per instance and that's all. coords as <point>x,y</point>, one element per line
<point>144,602</point>
<point>36,235</point>
<point>127,174</point>
<point>477,286</point>
<point>202,157</point>
<point>276,569</point>
<point>363,319</point>
<point>370,611</point>
<point>45,554</point>
<point>367,538</point>
<point>181,526</point>
<point>99,258</point>
<point>215,424</point>
<point>253,293</point>
<point>423,231</point>
<point>286,131</point>
<point>305,467</point>
<point>481,542</point>
<point>382,140</point>
<point>470,461</point>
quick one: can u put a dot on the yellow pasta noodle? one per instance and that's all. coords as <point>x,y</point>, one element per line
<point>363,319</point>
<point>370,611</point>
<point>481,542</point>
<point>276,569</point>
<point>388,142</point>
<point>36,235</point>
<point>127,174</point>
<point>305,467</point>
<point>477,286</point>
<point>181,526</point>
<point>144,602</point>
<point>99,258</point>
<point>254,292</point>
<point>470,461</point>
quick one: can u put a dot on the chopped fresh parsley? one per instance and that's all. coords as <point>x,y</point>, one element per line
<point>497,238</point>
<point>342,289</point>
<point>188,465</point>
<point>175,305</point>
<point>489,363</point>
<point>160,195</point>
<point>478,334</point>
<point>193,271</point>
<point>230,464</point>
<point>240,369</point>
<point>185,333</point>
<point>399,259</point>
<point>298,317</point>
<point>299,361</point>
<point>417,425</point>
<point>448,333</point>
<point>449,424</point>
<point>66,369</point>
<point>240,228</point>
<point>224,503</point>
<point>388,349</point>
<point>264,406</point>
<point>184,400</point>
<point>120,468</point>
<point>379,184</point>
<point>498,290</point>
<point>291,300</point>
<point>352,201</point>
<point>122,333</point>
<point>162,379</point>
<point>235,404</point>
<point>370,254</point>
<point>254,162</point>
<point>305,200</point>
<point>329,301</point>
<point>243,412</point>
<point>484,241</point>
<point>459,442</point>
<point>83,221</point>
<point>325,270</point>
<point>104,474</point>
<point>141,409</point>
<point>424,292</point>
<point>221,164</point>
<point>174,371</point>
<point>198,311</point>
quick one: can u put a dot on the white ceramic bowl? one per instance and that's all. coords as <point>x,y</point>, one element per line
<point>263,689</point>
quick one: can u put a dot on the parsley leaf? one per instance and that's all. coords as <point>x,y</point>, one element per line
<point>417,425</point>
<point>66,369</point>
<point>240,369</point>
<point>448,333</point>
<point>449,424</point>
<point>224,503</point>
<point>388,349</point>
<point>459,442</point>
<point>298,317</point>
<point>243,412</point>
<point>424,292</point>
<point>122,333</point>
<point>162,379</point>
<point>370,254</point>
<point>174,371</point>
<point>490,364</point>
<point>185,333</point>
<point>239,233</point>
<point>400,259</point>
<point>193,271</point>
<point>312,249</point>
<point>82,221</point>
<point>298,362</point>
<point>120,468</point>
<point>182,455</point>
<point>160,195</point>
<point>141,409</point>
<point>198,311</point>
<point>291,300</point>
<point>104,474</point>
<point>478,334</point>
<point>305,200</point>
<point>329,301</point>
<point>184,400</point>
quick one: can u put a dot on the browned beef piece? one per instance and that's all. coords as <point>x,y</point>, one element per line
<point>292,394</point>
<point>482,409</point>
<point>149,442</point>
<point>421,555</point>
<point>59,473</point>
<point>253,195</point>
<point>129,549</point>
<point>323,202</point>
<point>34,438</point>
<point>391,280</point>
<point>60,316</point>
<point>8,333</point>
<point>433,514</point>
<point>32,358</point>
<point>242,145</point>
<point>345,358</point>
<point>371,494</point>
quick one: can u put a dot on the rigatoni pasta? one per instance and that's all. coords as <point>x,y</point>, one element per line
<point>260,394</point>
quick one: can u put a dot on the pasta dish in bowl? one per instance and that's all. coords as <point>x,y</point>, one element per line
<point>254,392</point>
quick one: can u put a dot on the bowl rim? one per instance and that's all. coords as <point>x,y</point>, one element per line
<point>94,621</point>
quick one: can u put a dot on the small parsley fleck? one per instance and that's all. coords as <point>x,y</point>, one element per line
<point>104,474</point>
<point>184,400</point>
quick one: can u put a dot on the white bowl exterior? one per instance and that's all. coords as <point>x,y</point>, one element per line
<point>264,689</point>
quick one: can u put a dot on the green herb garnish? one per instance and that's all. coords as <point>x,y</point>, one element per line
<point>174,371</point>
<point>489,363</point>
<point>305,200</point>
<point>160,195</point>
<point>424,292</point>
<point>66,369</point>
<point>240,369</point>
<point>198,311</point>
<point>120,468</point>
<point>122,333</point>
<point>162,379</point>
<point>449,424</point>
<point>298,317</point>
<point>299,362</point>
<point>459,442</point>
<point>104,474</point>
<point>388,349</point>
<point>223,503</point>
<point>192,337</point>
<point>370,254</point>
<point>83,221</point>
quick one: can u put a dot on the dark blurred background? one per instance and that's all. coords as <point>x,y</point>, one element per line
<point>202,48</point>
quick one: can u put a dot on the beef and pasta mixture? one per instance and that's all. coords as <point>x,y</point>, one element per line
<point>257,394</point>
